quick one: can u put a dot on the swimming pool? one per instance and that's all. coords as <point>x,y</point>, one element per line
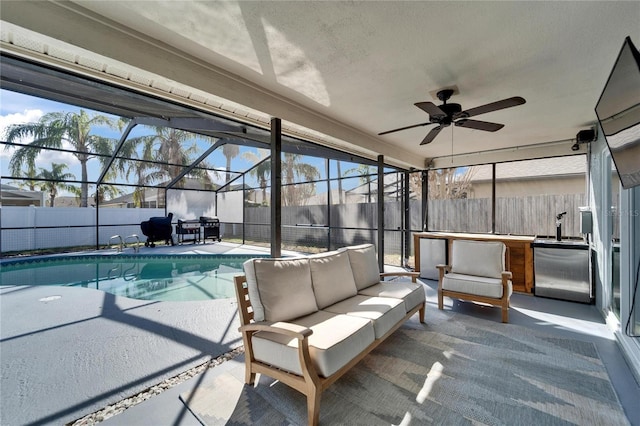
<point>159,277</point>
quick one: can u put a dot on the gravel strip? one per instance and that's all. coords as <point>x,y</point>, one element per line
<point>119,407</point>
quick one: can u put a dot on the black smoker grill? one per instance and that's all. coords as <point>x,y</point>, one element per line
<point>210,228</point>
<point>157,229</point>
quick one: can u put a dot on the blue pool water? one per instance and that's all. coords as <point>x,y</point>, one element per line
<point>165,278</point>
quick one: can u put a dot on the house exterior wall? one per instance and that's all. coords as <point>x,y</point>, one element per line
<point>517,188</point>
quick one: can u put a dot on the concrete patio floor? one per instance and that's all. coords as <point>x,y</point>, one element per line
<point>66,352</point>
<point>556,317</point>
<point>65,358</point>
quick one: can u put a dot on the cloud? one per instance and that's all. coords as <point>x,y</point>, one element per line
<point>28,116</point>
<point>45,158</point>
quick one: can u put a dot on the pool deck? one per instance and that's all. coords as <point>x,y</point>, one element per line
<point>67,352</point>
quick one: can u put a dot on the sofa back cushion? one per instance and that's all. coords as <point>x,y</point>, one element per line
<point>480,258</point>
<point>332,278</point>
<point>364,265</point>
<point>280,289</point>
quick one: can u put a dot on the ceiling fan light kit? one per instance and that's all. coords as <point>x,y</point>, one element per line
<point>451,113</point>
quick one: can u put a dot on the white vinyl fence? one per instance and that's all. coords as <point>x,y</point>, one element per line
<point>34,228</point>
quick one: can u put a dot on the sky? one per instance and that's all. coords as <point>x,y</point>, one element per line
<point>17,108</point>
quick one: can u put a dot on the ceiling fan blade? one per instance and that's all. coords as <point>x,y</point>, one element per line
<point>479,125</point>
<point>431,109</point>
<point>403,128</point>
<point>431,135</point>
<point>494,106</point>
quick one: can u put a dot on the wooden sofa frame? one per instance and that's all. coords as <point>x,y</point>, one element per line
<point>310,383</point>
<point>502,303</point>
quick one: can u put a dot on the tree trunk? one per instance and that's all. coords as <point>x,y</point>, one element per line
<point>84,186</point>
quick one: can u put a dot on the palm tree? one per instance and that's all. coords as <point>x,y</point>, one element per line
<point>365,177</point>
<point>31,178</point>
<point>135,157</point>
<point>106,192</point>
<point>53,181</point>
<point>54,129</point>
<point>230,151</point>
<point>168,148</point>
<point>293,169</point>
<point>160,157</point>
<point>261,171</point>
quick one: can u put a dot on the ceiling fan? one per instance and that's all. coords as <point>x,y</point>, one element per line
<point>447,114</point>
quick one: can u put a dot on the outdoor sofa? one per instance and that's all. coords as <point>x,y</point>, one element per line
<point>305,321</point>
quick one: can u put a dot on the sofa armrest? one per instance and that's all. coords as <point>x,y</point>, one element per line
<point>442,269</point>
<point>288,329</point>
<point>506,276</point>
<point>413,275</point>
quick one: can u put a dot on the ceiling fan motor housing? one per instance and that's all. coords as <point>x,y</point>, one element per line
<point>450,110</point>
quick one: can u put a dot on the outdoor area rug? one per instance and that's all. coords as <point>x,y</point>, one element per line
<point>455,369</point>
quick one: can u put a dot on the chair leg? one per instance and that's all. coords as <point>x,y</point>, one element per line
<point>422,313</point>
<point>440,299</point>
<point>313,406</point>
<point>249,376</point>
<point>505,310</point>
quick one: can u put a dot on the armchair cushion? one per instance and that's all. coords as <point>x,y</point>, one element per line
<point>476,285</point>
<point>280,289</point>
<point>479,258</point>
<point>332,278</point>
<point>364,265</point>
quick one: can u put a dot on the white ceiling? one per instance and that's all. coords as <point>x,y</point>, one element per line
<point>350,70</point>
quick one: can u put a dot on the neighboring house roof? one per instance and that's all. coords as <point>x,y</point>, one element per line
<point>11,195</point>
<point>530,169</point>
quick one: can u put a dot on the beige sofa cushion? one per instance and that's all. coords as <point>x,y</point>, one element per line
<point>384,312</point>
<point>364,265</point>
<point>481,258</point>
<point>479,286</point>
<point>335,341</point>
<point>412,294</point>
<point>331,278</point>
<point>280,289</point>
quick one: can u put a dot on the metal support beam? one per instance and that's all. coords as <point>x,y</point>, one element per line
<point>493,198</point>
<point>329,201</point>
<point>276,187</point>
<point>380,213</point>
<point>193,165</point>
<point>406,249</point>
<point>425,199</point>
<point>133,123</point>
<point>97,217</point>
